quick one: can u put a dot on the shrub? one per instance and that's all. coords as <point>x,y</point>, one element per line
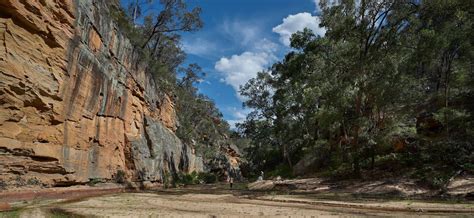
<point>19,181</point>
<point>185,179</point>
<point>94,181</point>
<point>282,170</point>
<point>33,181</point>
<point>207,178</point>
<point>120,177</point>
<point>435,177</point>
<point>468,167</point>
<point>341,172</point>
<point>3,185</point>
<point>166,180</point>
<point>190,179</point>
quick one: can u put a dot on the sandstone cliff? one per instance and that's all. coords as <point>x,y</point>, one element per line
<point>75,101</point>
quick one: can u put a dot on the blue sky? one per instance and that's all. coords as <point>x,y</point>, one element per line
<point>240,38</point>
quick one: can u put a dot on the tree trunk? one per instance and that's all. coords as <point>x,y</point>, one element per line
<point>372,163</point>
<point>446,97</point>
<point>356,166</point>
<point>135,13</point>
<point>287,156</point>
<point>355,142</point>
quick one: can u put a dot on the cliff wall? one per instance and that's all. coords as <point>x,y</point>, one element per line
<point>75,101</point>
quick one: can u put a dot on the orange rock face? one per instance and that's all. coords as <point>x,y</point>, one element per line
<point>168,113</point>
<point>74,98</point>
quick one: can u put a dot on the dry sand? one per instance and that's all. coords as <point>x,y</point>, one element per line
<point>217,200</point>
<point>229,205</point>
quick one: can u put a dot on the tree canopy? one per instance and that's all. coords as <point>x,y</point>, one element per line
<point>154,27</point>
<point>389,80</point>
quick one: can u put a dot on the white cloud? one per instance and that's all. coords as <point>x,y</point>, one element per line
<point>297,22</point>
<point>238,116</point>
<point>199,46</point>
<point>316,2</point>
<point>242,33</point>
<point>259,53</point>
<point>233,123</point>
<point>238,69</point>
<point>266,45</point>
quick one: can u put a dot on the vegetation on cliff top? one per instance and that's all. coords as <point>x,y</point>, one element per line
<point>389,87</point>
<point>157,38</point>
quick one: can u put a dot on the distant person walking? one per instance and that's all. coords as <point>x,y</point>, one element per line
<point>260,178</point>
<point>231,181</point>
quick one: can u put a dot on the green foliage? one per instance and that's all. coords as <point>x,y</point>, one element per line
<point>186,179</point>
<point>20,181</point>
<point>126,26</point>
<point>469,167</point>
<point>201,124</point>
<point>194,178</point>
<point>50,212</point>
<point>3,185</point>
<point>282,170</point>
<point>207,178</point>
<point>94,181</point>
<point>10,214</point>
<point>120,177</point>
<point>33,181</point>
<point>157,42</point>
<point>61,213</point>
<point>433,177</point>
<point>166,180</point>
<point>389,84</point>
<point>340,172</point>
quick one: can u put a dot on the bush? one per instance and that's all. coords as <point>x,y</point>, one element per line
<point>341,172</point>
<point>282,170</point>
<point>207,178</point>
<point>435,177</point>
<point>94,181</point>
<point>195,178</point>
<point>33,181</point>
<point>186,179</point>
<point>469,167</point>
<point>120,177</point>
<point>3,185</point>
<point>166,180</point>
<point>438,159</point>
<point>19,181</point>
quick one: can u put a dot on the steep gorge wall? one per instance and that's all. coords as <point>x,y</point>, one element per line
<point>75,101</point>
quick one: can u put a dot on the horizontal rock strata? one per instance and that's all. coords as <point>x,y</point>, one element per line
<point>75,101</point>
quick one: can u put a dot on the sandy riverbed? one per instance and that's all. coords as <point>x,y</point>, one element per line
<point>179,204</point>
<point>219,201</point>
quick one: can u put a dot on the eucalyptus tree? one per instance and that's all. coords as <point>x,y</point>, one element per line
<point>367,51</point>
<point>357,91</point>
<point>443,63</point>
